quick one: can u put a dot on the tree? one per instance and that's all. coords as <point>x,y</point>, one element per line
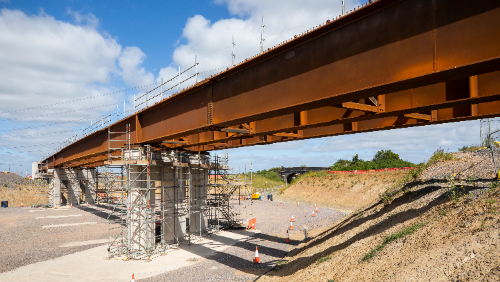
<point>384,155</point>
<point>356,160</point>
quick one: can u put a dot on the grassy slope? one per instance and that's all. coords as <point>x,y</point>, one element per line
<point>259,183</point>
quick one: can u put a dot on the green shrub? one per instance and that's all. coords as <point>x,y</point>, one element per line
<point>440,156</point>
<point>468,148</point>
<point>382,159</point>
<point>270,174</point>
<point>393,237</point>
<point>323,259</point>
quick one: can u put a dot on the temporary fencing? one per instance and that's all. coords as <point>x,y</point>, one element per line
<point>371,171</point>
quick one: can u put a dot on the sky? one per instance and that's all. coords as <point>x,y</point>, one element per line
<point>68,65</point>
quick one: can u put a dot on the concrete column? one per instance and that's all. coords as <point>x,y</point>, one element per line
<point>168,197</point>
<point>180,197</point>
<point>203,198</point>
<point>142,228</point>
<point>89,182</point>
<point>55,188</point>
<point>195,224</point>
<point>73,187</point>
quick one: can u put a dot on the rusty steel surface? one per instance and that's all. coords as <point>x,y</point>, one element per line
<point>390,64</point>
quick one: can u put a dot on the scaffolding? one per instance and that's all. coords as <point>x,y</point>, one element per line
<point>156,198</point>
<point>222,188</point>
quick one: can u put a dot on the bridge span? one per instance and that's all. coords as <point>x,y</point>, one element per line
<point>389,64</point>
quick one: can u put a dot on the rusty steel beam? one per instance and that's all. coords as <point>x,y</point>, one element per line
<point>406,103</point>
<point>447,96</point>
<point>389,46</point>
<point>386,123</point>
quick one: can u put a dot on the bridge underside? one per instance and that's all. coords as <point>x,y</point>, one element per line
<point>390,64</point>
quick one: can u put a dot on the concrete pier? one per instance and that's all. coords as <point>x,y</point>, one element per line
<point>72,186</point>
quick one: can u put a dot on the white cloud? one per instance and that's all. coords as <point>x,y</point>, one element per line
<point>88,19</point>
<point>212,41</point>
<point>133,74</point>
<point>45,61</point>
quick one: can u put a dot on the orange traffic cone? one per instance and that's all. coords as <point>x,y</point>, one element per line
<point>55,207</point>
<point>291,225</point>
<point>287,238</point>
<point>133,278</point>
<point>87,204</point>
<point>71,204</point>
<point>22,205</point>
<point>314,214</point>
<point>281,203</point>
<point>293,218</point>
<point>316,208</point>
<point>256,260</point>
<point>297,204</point>
<point>269,200</point>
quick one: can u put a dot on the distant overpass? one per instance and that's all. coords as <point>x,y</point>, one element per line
<point>287,174</point>
<point>389,64</point>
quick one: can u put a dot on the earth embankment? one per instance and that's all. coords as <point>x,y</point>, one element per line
<point>344,192</point>
<point>442,226</point>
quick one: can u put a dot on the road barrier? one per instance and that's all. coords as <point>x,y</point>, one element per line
<point>372,170</point>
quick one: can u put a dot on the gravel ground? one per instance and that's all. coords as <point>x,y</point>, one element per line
<point>236,262</point>
<point>23,241</point>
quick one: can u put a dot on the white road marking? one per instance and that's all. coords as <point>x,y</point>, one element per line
<point>83,243</point>
<point>68,224</point>
<point>59,216</point>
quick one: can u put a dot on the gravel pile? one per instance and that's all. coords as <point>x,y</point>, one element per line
<point>236,262</point>
<point>11,180</point>
<point>23,241</point>
<point>467,166</point>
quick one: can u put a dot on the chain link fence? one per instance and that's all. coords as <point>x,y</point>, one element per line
<point>490,138</point>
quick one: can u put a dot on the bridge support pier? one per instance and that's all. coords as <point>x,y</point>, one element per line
<point>72,186</point>
<point>198,217</point>
<point>140,214</point>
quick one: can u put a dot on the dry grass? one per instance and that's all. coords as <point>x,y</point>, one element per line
<point>27,194</point>
<point>347,192</point>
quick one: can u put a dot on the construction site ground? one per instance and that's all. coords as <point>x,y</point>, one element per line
<point>444,226</point>
<point>71,243</point>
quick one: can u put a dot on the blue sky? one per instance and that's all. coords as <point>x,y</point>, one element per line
<point>65,64</point>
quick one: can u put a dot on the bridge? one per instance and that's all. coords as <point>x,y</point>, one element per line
<point>386,65</point>
<point>289,173</point>
<point>389,64</point>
